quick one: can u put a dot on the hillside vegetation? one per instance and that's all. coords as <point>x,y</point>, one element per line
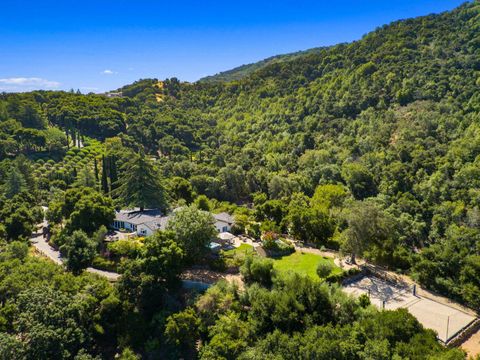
<point>243,71</point>
<point>371,148</point>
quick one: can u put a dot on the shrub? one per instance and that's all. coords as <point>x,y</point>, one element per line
<point>129,248</point>
<point>364,301</point>
<point>269,240</point>
<point>104,264</point>
<point>275,246</point>
<point>324,269</point>
<point>218,263</point>
<point>258,270</point>
<point>339,277</point>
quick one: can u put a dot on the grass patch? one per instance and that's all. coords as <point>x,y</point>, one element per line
<point>236,257</point>
<point>304,263</point>
<point>241,250</point>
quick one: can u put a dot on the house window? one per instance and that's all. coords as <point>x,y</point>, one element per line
<point>224,229</point>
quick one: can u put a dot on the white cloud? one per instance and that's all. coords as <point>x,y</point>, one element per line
<point>109,72</point>
<point>15,84</point>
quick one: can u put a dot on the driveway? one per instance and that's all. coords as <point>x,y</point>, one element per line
<point>43,247</point>
<point>46,250</point>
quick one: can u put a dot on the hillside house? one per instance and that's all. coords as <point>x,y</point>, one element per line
<point>142,222</point>
<point>223,222</point>
<point>146,222</point>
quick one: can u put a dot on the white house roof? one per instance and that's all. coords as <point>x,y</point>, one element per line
<point>137,217</point>
<point>224,217</point>
<point>153,219</point>
<point>158,224</point>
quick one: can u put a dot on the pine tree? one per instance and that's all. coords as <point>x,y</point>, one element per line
<point>140,184</point>
<point>15,183</point>
<point>24,165</point>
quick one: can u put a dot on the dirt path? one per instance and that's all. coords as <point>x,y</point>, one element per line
<point>210,276</point>
<point>472,345</point>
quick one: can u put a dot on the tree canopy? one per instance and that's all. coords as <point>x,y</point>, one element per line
<point>370,147</point>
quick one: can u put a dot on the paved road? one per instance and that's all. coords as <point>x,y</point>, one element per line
<point>45,249</point>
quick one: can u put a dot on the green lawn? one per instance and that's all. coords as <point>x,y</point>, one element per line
<point>236,257</point>
<point>241,250</point>
<point>303,263</point>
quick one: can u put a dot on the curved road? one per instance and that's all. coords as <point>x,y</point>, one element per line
<point>45,249</point>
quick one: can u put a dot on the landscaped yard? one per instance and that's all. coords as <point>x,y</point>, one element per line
<point>304,263</point>
<point>241,250</point>
<point>236,257</point>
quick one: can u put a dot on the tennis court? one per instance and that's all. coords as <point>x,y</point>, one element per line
<point>446,320</point>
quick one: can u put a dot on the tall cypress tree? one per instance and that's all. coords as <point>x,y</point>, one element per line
<point>95,168</point>
<point>113,172</point>
<point>68,139</point>
<point>72,135</point>
<point>104,176</point>
<point>75,172</point>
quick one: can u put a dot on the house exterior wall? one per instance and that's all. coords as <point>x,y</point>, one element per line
<point>222,226</point>
<point>130,226</point>
<point>124,225</point>
<point>143,230</point>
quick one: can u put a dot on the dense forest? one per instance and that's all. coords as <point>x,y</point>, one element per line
<point>242,71</point>
<point>371,148</point>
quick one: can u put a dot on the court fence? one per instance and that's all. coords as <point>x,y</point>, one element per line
<point>460,337</point>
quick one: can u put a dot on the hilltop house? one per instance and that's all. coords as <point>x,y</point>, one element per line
<point>146,222</point>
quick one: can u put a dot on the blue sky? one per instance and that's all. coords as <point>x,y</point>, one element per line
<point>101,45</point>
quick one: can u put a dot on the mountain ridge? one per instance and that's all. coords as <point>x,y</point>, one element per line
<point>241,71</point>
<point>370,148</point>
